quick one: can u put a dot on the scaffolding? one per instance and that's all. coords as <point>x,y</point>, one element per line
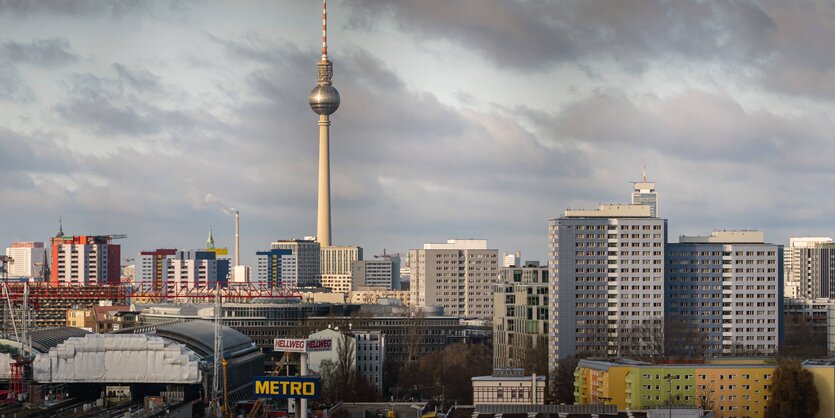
<point>48,303</point>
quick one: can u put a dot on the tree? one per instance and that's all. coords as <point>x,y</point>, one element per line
<point>445,374</point>
<point>563,380</point>
<point>802,339</point>
<point>535,355</point>
<point>793,392</point>
<point>414,334</point>
<point>706,397</point>
<point>340,380</point>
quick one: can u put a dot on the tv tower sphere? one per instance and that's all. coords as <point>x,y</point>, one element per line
<point>324,99</point>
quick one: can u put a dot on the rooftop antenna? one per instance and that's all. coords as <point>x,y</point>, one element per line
<point>645,172</point>
<point>324,30</point>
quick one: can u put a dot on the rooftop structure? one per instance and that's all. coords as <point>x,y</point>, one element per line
<point>726,237</point>
<point>611,211</point>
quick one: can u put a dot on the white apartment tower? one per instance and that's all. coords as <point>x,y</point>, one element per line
<point>607,280</point>
<point>25,256</point>
<point>457,275</point>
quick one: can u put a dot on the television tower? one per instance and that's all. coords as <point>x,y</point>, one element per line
<point>324,100</point>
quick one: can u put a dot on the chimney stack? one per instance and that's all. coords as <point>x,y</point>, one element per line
<point>237,238</point>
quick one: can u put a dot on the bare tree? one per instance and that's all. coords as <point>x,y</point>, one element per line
<point>644,342</point>
<point>706,397</point>
<point>414,334</point>
<point>535,355</point>
<point>562,378</point>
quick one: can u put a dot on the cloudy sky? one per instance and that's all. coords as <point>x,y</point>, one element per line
<point>466,118</point>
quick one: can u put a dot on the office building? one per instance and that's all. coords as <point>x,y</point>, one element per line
<point>457,275</point>
<point>307,260</point>
<point>85,260</point>
<point>727,289</point>
<point>520,316</point>
<point>269,267</point>
<point>643,193</point>
<point>335,264</point>
<point>380,273</point>
<point>796,269</point>
<point>26,257</point>
<point>606,267</point>
<point>508,387</point>
<point>816,266</point>
<point>512,259</point>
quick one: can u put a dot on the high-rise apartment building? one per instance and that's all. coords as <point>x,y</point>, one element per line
<point>25,256</point>
<point>797,269</point>
<point>196,268</point>
<point>725,290</point>
<point>307,259</point>
<point>607,280</point>
<point>335,266</point>
<point>85,260</point>
<point>457,275</point>
<point>268,267</point>
<point>520,316</point>
<point>381,273</point>
<point>151,268</point>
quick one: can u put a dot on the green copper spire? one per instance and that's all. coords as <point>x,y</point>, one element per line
<point>210,243</point>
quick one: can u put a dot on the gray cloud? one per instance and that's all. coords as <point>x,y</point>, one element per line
<point>12,85</point>
<point>529,35</point>
<point>86,8</point>
<point>42,52</point>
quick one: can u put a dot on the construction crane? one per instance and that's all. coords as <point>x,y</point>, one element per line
<point>260,401</point>
<point>6,260</point>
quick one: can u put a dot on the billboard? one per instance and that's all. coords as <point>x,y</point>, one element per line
<point>301,345</point>
<point>289,345</point>
<point>287,387</point>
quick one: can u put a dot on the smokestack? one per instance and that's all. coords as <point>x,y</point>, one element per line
<point>237,238</point>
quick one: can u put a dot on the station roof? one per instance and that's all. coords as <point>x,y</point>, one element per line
<point>199,336</point>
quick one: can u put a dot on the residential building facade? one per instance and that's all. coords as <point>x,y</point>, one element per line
<point>26,257</point>
<point>520,316</point>
<point>307,260</point>
<point>335,264</point>
<point>796,269</point>
<point>268,267</point>
<point>727,289</point>
<point>379,273</point>
<point>457,275</point>
<point>84,260</point>
<point>606,269</point>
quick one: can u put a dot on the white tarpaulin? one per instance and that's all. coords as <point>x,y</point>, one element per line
<point>117,358</point>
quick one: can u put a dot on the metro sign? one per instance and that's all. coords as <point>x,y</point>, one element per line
<point>301,345</point>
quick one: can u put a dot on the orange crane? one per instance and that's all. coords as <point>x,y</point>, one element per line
<point>260,401</point>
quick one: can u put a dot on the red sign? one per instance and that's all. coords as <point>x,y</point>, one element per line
<point>289,345</point>
<point>319,345</point>
<point>300,345</point>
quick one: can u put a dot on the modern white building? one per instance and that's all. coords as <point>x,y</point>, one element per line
<point>520,316</point>
<point>457,275</point>
<point>307,259</point>
<point>796,269</point>
<point>25,256</point>
<point>606,267</point>
<point>336,266</point>
<point>643,193</point>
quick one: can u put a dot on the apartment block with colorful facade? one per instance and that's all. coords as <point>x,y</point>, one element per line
<point>732,388</point>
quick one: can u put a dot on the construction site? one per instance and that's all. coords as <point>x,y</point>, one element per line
<point>182,368</point>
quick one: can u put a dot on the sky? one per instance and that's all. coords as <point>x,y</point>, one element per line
<point>459,119</point>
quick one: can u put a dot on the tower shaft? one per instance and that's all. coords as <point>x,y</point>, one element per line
<point>323,219</point>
